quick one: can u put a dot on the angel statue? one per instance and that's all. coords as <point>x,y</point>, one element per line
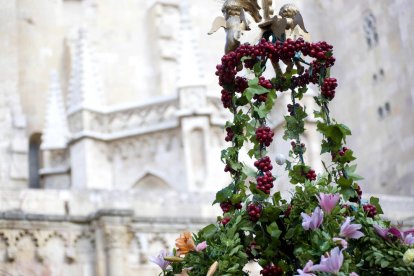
<point>235,22</point>
<point>289,17</point>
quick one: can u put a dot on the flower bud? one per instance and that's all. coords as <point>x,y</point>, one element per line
<point>280,159</point>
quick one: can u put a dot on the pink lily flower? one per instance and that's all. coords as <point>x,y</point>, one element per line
<point>328,201</point>
<point>341,242</point>
<point>159,260</point>
<point>201,246</point>
<point>332,263</point>
<point>353,274</point>
<point>306,271</point>
<point>350,231</point>
<point>314,221</point>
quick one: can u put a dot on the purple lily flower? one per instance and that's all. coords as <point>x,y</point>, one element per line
<point>350,231</point>
<point>313,221</point>
<point>328,201</point>
<point>409,239</point>
<point>159,260</point>
<point>201,246</point>
<point>332,263</point>
<point>306,271</point>
<point>382,232</point>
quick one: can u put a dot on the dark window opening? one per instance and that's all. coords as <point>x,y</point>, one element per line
<point>35,160</point>
<point>370,29</point>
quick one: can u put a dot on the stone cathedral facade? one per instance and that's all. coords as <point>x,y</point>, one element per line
<point>112,123</point>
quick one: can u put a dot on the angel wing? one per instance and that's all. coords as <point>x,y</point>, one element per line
<point>279,25</point>
<point>244,20</point>
<point>217,24</point>
<point>298,20</point>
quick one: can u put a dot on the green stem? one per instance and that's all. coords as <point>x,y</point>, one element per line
<point>298,142</point>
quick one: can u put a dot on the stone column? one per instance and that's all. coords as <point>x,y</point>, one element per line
<point>114,226</point>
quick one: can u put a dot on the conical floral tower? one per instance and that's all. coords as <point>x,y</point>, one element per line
<point>324,228</point>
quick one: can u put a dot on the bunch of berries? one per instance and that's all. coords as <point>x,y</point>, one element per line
<point>357,198</point>
<point>227,206</point>
<point>311,175</point>
<point>328,88</point>
<point>227,168</point>
<point>225,220</point>
<point>264,164</point>
<point>265,182</point>
<point>297,149</point>
<point>370,209</point>
<point>271,270</point>
<point>226,98</point>
<point>230,134</point>
<point>266,84</point>
<point>254,212</point>
<point>240,84</point>
<point>292,108</point>
<point>264,135</point>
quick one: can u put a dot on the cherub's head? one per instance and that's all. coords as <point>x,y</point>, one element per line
<point>288,11</point>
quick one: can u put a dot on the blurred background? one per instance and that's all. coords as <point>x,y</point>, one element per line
<point>112,123</point>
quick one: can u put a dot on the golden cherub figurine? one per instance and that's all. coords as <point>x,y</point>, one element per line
<point>235,21</point>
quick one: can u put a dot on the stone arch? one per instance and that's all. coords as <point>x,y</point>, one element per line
<point>150,181</point>
<point>155,245</point>
<point>135,252</point>
<point>198,155</point>
<point>27,247</point>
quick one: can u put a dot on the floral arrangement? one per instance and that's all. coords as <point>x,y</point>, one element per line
<point>324,228</point>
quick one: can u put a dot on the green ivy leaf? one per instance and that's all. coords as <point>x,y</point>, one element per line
<point>375,201</point>
<point>273,230</point>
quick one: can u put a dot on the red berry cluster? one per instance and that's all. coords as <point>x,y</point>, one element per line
<point>264,135</point>
<point>328,88</point>
<point>298,148</point>
<point>311,175</point>
<point>227,168</point>
<point>241,84</point>
<point>226,98</point>
<point>225,220</point>
<point>266,84</point>
<point>271,270</point>
<point>254,212</point>
<point>264,164</point>
<point>230,134</point>
<point>265,182</point>
<point>358,190</point>
<point>342,151</point>
<point>231,63</point>
<point>227,206</point>
<point>292,108</point>
<point>370,209</point>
